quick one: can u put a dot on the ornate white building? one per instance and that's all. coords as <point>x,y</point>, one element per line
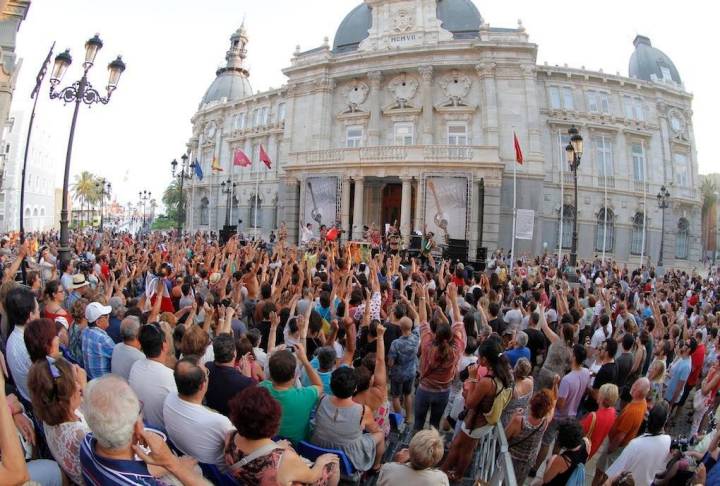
<point>410,115</point>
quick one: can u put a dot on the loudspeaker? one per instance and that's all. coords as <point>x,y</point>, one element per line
<point>415,242</point>
<point>226,233</point>
<point>457,250</point>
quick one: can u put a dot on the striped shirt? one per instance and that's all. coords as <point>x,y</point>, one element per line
<point>100,471</point>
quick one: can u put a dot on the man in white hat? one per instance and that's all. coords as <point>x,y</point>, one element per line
<point>97,346</point>
<point>79,287</point>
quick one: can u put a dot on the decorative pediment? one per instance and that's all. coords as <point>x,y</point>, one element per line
<point>394,110</point>
<point>354,95</point>
<point>456,87</point>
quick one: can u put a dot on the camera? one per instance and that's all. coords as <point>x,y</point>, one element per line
<point>681,443</point>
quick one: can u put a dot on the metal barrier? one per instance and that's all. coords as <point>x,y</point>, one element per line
<point>495,467</point>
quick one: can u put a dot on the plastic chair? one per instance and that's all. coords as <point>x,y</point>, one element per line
<point>213,474</point>
<point>312,452</point>
<point>396,420</point>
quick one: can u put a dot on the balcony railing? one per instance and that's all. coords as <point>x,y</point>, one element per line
<point>397,153</point>
<point>641,186</point>
<point>603,180</point>
<point>495,465</point>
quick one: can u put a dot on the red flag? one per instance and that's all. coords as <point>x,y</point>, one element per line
<point>518,151</point>
<point>265,157</point>
<point>240,159</point>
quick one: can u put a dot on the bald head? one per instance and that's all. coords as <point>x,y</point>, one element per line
<point>640,389</point>
<point>406,324</point>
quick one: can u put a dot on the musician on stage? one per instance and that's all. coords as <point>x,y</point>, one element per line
<point>306,234</point>
<point>394,240</point>
<point>374,236</point>
<point>428,244</point>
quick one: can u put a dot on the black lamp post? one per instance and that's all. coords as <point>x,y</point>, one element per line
<point>574,152</point>
<point>79,92</point>
<point>186,172</point>
<point>144,196</point>
<point>104,188</point>
<point>663,199</point>
<point>227,187</point>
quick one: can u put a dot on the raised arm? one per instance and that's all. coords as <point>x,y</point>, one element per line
<point>380,369</point>
<point>552,337</point>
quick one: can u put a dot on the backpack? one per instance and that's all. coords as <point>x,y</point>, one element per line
<point>502,398</point>
<point>577,478</point>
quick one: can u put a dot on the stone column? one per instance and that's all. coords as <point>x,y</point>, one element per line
<point>474,236</point>
<point>301,207</point>
<point>358,208</point>
<point>405,208</point>
<point>345,208</point>
<point>486,72</point>
<point>491,215</point>
<point>375,103</point>
<point>419,205</point>
<point>531,102</point>
<point>426,73</point>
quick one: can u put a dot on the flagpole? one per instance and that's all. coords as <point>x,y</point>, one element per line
<point>232,186</point>
<point>642,250</point>
<point>257,190</point>
<point>606,210</point>
<point>562,201</point>
<point>512,245</point>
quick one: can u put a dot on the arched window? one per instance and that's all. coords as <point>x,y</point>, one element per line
<point>568,219</point>
<point>636,244</point>
<point>681,241</point>
<point>255,205</point>
<point>35,212</point>
<point>28,212</point>
<point>605,231</point>
<point>204,211</point>
<point>42,211</point>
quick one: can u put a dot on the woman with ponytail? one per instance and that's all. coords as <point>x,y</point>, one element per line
<point>440,352</point>
<point>485,400</point>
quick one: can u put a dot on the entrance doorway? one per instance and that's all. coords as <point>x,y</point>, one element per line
<point>391,204</point>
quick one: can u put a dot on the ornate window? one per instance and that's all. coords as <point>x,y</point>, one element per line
<point>636,244</point>
<point>604,156</point>
<point>457,133</point>
<point>561,98</point>
<point>568,220</point>
<point>404,133</point>
<point>605,231</point>
<point>353,136</point>
<point>681,241</point>
<point>682,170</point>
<point>638,157</point>
<point>204,211</point>
<point>281,112</point>
<point>633,108</point>
<point>598,102</point>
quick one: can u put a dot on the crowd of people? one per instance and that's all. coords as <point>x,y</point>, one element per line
<point>156,360</point>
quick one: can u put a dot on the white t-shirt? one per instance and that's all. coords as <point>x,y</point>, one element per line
<point>18,360</point>
<point>514,318</point>
<point>123,358</point>
<point>152,381</point>
<point>599,336</point>
<point>644,457</point>
<point>196,430</point>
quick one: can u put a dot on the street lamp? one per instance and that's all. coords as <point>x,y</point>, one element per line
<point>663,199</point>
<point>79,92</point>
<point>104,190</point>
<point>186,172</point>
<point>573,153</point>
<point>144,196</point>
<point>228,187</point>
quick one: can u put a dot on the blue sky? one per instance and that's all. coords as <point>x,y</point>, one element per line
<point>173,47</point>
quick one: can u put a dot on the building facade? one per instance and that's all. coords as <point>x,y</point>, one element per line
<point>42,169</point>
<point>409,118</point>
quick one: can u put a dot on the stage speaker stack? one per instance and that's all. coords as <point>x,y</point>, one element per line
<point>481,258</point>
<point>226,233</point>
<point>457,250</point>
<point>415,243</point>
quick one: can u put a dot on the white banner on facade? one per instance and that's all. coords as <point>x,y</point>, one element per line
<point>320,201</point>
<point>524,224</point>
<point>446,201</point>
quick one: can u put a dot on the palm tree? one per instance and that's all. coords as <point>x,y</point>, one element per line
<point>709,194</point>
<point>85,190</point>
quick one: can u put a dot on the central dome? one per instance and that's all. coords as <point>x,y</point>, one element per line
<point>461,17</point>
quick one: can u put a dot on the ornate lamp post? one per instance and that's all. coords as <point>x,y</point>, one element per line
<point>228,187</point>
<point>144,196</point>
<point>574,152</point>
<point>104,188</point>
<point>79,92</point>
<point>663,199</point>
<point>186,172</point>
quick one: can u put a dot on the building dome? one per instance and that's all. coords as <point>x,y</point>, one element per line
<point>231,82</point>
<point>228,86</point>
<point>461,17</point>
<point>651,64</point>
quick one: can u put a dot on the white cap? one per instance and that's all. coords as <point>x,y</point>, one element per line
<point>62,321</point>
<point>95,310</point>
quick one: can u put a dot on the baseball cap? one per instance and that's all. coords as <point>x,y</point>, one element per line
<point>62,321</point>
<point>95,310</point>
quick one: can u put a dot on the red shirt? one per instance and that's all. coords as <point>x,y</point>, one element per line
<point>696,359</point>
<point>604,420</point>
